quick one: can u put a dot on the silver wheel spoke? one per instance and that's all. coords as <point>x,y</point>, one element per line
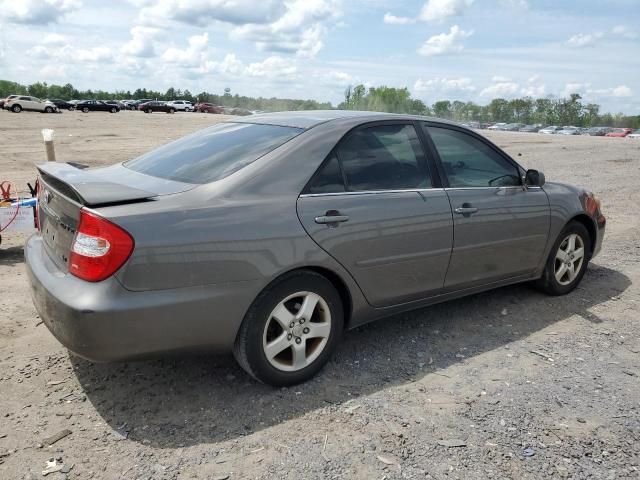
<point>308,306</point>
<point>578,254</point>
<point>319,330</point>
<point>283,316</point>
<point>299,355</point>
<point>571,269</point>
<point>571,244</point>
<point>560,272</point>
<point>562,256</point>
<point>279,345</point>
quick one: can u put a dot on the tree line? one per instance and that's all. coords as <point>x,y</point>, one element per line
<point>548,111</point>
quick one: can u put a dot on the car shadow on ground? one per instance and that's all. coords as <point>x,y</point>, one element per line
<point>11,256</point>
<point>172,403</point>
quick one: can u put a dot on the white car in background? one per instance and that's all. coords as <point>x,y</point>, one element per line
<point>18,104</point>
<point>181,105</point>
<point>551,130</point>
<point>634,134</point>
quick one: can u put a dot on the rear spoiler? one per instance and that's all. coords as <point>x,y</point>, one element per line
<point>88,189</point>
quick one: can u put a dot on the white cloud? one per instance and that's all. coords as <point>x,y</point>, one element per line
<point>394,20</point>
<point>272,67</point>
<point>55,39</point>
<point>339,78</point>
<point>501,90</point>
<point>192,56</point>
<point>584,39</point>
<point>37,12</point>
<point>439,10</point>
<point>499,78</point>
<point>445,42</point>
<point>621,91</point>
<point>462,84</point>
<point>623,31</point>
<point>142,42</point>
<point>299,29</point>
<point>535,91</point>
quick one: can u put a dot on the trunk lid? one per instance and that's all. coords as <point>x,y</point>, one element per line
<point>65,189</point>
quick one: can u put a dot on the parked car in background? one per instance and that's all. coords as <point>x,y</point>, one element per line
<point>4,100</point>
<point>181,105</point>
<point>531,128</point>
<point>96,106</point>
<point>205,107</point>
<point>512,127</point>
<point>598,131</point>
<point>208,263</point>
<point>28,103</point>
<point>156,106</point>
<point>236,111</point>
<point>569,131</point>
<point>136,103</point>
<point>62,104</point>
<point>551,130</point>
<point>114,102</point>
<point>497,126</point>
<point>619,132</point>
<point>634,134</point>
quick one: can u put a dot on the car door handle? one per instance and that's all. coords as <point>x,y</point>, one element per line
<point>466,209</point>
<point>332,216</point>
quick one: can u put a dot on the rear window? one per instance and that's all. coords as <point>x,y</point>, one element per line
<point>213,153</point>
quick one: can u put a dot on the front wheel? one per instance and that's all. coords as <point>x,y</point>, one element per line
<point>16,109</point>
<point>48,110</point>
<point>114,110</point>
<point>291,329</point>
<point>149,110</point>
<point>85,110</point>
<point>567,262</point>
<point>172,110</point>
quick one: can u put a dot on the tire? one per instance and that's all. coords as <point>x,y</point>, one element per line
<point>556,278</point>
<point>114,110</point>
<point>149,110</point>
<point>85,109</point>
<point>16,108</point>
<point>260,328</point>
<point>172,110</point>
<point>48,110</point>
<point>71,108</point>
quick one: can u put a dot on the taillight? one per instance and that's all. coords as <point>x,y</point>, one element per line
<point>99,248</point>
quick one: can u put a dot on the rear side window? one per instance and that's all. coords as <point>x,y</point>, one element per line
<point>469,162</point>
<point>213,153</point>
<point>328,179</point>
<point>385,157</point>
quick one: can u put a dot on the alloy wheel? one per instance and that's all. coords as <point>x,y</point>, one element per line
<point>569,259</point>
<point>297,331</point>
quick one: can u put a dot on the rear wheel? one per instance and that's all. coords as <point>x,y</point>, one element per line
<point>16,109</point>
<point>291,329</point>
<point>85,109</point>
<point>567,262</point>
<point>48,110</point>
<point>149,110</point>
<point>114,110</point>
<point>172,110</point>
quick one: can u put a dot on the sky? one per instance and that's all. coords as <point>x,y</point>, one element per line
<point>470,50</point>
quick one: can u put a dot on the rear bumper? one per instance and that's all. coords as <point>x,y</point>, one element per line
<point>105,322</point>
<point>601,224</point>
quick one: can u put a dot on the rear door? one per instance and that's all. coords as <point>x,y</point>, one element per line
<point>500,227</point>
<point>376,207</point>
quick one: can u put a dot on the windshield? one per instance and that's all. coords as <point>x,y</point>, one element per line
<point>213,153</point>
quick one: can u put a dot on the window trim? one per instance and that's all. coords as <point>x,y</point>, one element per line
<point>424,163</point>
<point>424,126</point>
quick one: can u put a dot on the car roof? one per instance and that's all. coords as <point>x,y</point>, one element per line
<point>310,118</point>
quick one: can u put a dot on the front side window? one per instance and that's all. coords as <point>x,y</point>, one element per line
<point>213,153</point>
<point>385,157</point>
<point>469,162</point>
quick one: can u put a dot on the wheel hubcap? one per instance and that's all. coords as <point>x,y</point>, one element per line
<point>569,259</point>
<point>297,331</point>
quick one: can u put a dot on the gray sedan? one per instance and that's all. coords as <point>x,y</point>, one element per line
<point>268,236</point>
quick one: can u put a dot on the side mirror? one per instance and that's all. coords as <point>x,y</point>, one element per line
<point>534,178</point>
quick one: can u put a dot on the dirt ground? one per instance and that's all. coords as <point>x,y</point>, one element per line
<point>509,384</point>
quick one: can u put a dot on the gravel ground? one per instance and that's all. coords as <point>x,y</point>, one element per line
<point>506,384</point>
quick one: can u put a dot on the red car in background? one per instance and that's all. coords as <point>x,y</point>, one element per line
<point>208,108</point>
<point>619,132</point>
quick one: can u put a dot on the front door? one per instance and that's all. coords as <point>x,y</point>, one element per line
<point>500,228</point>
<point>373,207</point>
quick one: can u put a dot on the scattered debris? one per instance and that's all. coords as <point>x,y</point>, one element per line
<point>528,452</point>
<point>387,460</point>
<point>221,477</point>
<point>543,355</point>
<point>581,420</point>
<point>452,443</point>
<point>504,312</point>
<point>47,442</point>
<point>52,466</point>
<point>53,383</point>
